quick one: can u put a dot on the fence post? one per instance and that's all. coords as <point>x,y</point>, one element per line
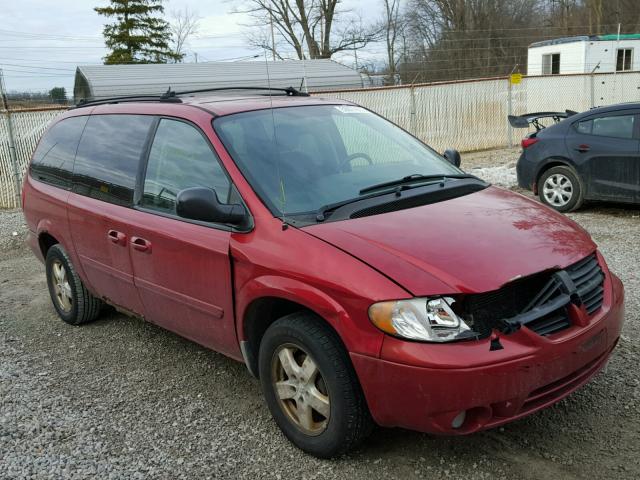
<point>12,156</point>
<point>413,110</point>
<point>509,112</point>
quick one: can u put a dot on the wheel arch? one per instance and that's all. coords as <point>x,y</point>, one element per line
<point>264,300</point>
<point>550,163</point>
<point>45,242</point>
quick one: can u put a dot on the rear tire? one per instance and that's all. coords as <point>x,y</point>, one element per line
<point>313,394</point>
<point>561,189</point>
<point>73,302</point>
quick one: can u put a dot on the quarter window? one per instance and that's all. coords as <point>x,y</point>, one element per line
<point>53,159</point>
<point>624,59</point>
<point>620,126</point>
<point>109,155</point>
<point>180,157</point>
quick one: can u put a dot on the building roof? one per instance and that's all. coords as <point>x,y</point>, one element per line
<point>587,38</point>
<point>100,81</point>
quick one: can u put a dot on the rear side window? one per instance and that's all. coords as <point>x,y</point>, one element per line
<point>620,126</point>
<point>53,159</point>
<point>180,157</point>
<point>109,155</point>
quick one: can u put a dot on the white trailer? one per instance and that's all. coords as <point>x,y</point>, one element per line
<point>584,54</point>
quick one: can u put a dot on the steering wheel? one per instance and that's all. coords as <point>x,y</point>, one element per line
<point>353,156</point>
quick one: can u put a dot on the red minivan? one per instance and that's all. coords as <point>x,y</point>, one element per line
<point>361,276</point>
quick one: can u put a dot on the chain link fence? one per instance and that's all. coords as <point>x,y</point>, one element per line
<point>472,114</point>
<point>20,131</point>
<point>467,115</point>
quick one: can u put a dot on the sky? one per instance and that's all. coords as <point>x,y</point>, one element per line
<point>42,41</point>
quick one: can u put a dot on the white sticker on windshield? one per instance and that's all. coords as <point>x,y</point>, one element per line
<point>351,109</point>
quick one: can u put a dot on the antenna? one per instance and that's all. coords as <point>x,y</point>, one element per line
<point>277,150</point>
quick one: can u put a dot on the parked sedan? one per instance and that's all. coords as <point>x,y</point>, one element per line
<point>594,155</point>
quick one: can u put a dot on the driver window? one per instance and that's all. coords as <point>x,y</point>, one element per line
<point>180,158</point>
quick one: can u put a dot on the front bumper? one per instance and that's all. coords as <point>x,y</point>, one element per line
<point>425,386</point>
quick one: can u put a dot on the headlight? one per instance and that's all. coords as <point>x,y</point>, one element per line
<point>426,319</point>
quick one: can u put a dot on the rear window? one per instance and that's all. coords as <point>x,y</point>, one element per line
<point>109,155</point>
<point>619,126</point>
<point>53,159</point>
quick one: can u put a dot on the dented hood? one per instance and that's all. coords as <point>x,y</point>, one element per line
<point>471,244</point>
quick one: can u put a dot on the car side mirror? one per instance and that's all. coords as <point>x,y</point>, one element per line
<point>453,157</point>
<point>199,203</point>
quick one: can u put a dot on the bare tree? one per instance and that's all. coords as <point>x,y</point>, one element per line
<point>184,24</point>
<point>453,39</point>
<point>311,28</point>
<point>392,26</point>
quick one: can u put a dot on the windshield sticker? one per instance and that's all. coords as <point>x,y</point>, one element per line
<point>351,109</point>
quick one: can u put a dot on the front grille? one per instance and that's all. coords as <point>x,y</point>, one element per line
<point>483,309</point>
<point>486,311</point>
<point>552,323</point>
<point>589,280</point>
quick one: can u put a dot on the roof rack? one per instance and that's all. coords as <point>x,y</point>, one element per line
<point>171,96</point>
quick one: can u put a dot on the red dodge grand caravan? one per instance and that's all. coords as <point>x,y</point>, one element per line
<point>362,277</point>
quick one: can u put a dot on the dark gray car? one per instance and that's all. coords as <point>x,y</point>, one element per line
<point>594,155</point>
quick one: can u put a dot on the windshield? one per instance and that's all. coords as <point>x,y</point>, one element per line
<point>299,159</point>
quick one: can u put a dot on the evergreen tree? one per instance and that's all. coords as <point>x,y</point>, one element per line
<point>138,35</point>
<point>58,94</point>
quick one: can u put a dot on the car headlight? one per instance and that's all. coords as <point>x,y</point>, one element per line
<point>426,319</point>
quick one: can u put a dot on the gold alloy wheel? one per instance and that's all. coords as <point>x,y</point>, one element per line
<point>61,286</point>
<point>300,389</point>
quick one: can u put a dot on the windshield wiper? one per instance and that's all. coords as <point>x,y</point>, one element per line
<point>416,177</point>
<point>321,213</point>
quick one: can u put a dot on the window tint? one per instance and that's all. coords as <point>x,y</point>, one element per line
<point>108,157</point>
<point>180,158</point>
<point>620,126</point>
<point>53,159</point>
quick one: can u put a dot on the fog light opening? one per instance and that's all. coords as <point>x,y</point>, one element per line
<point>459,419</point>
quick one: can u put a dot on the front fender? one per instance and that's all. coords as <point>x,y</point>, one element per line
<point>351,323</point>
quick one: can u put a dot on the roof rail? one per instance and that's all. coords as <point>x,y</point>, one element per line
<point>171,96</point>
<point>289,91</point>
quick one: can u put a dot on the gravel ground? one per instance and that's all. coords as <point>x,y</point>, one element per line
<point>119,398</point>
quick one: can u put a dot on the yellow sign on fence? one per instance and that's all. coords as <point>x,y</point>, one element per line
<point>515,78</point>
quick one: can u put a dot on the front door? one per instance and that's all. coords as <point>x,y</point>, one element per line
<point>607,152</point>
<point>182,268</point>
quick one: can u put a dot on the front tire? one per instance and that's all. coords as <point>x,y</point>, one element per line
<point>73,302</point>
<point>311,387</point>
<point>561,189</point>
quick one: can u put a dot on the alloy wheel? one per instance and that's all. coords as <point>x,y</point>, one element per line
<point>557,190</point>
<point>300,389</point>
<point>61,286</point>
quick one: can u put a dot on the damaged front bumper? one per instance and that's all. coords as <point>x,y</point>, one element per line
<point>427,387</point>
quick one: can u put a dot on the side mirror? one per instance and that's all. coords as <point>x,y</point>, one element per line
<point>453,157</point>
<point>202,204</point>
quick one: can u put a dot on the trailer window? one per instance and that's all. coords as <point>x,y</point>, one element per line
<point>551,64</point>
<point>623,63</point>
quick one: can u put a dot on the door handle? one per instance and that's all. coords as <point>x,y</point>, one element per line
<point>116,237</point>
<point>583,148</point>
<point>141,244</point>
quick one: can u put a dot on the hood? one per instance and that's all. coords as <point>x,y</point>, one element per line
<point>471,244</point>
